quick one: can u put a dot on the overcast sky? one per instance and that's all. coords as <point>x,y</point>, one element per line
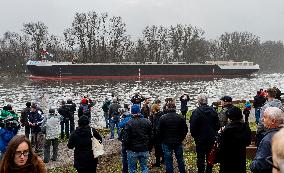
<point>263,18</point>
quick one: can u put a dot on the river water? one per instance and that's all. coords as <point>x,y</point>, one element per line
<point>17,91</point>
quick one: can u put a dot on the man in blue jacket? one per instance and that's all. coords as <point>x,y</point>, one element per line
<point>272,120</point>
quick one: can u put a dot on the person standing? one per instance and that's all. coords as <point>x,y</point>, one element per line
<point>24,119</point>
<point>172,130</point>
<point>65,118</point>
<point>125,117</point>
<point>234,139</point>
<point>204,126</point>
<point>226,103</point>
<point>258,101</point>
<point>137,137</point>
<point>277,151</point>
<point>71,108</point>
<point>145,110</point>
<point>35,120</point>
<point>81,140</point>
<point>183,104</point>
<point>9,127</point>
<point>20,157</point>
<point>156,115</point>
<point>51,129</point>
<point>84,108</point>
<point>271,102</point>
<point>272,120</point>
<point>114,117</point>
<point>105,108</point>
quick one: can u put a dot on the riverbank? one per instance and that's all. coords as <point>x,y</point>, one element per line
<point>111,161</point>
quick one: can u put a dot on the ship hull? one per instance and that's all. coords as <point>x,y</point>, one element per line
<point>93,71</point>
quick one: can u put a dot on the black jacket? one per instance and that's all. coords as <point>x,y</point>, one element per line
<point>258,101</point>
<point>65,112</point>
<point>172,129</point>
<point>137,134</point>
<point>204,124</point>
<point>80,139</point>
<point>24,116</point>
<point>233,141</point>
<point>155,125</point>
<point>183,103</point>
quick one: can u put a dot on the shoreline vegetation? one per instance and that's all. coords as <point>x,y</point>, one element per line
<point>102,38</point>
<point>111,161</point>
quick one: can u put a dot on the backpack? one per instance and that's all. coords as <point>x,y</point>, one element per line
<point>86,110</point>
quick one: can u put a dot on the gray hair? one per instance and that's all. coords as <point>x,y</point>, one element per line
<point>275,113</point>
<point>202,99</point>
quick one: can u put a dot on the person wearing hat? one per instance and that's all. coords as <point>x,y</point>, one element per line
<point>81,140</point>
<point>137,137</point>
<point>235,137</point>
<point>226,103</point>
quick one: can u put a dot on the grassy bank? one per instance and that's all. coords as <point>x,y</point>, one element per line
<point>112,163</point>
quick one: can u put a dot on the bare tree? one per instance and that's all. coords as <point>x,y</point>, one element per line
<point>37,33</point>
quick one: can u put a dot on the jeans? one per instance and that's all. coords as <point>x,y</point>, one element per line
<point>124,159</point>
<point>202,151</point>
<point>27,131</point>
<point>72,124</point>
<point>112,124</point>
<point>37,141</point>
<point>168,154</point>
<point>64,123</point>
<point>257,115</point>
<point>47,143</point>
<point>106,118</point>
<point>133,157</point>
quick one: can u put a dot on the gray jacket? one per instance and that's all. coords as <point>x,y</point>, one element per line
<point>51,126</point>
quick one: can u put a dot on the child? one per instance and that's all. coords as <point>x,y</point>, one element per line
<point>51,129</point>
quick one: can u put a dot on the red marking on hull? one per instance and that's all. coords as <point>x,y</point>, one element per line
<point>128,77</point>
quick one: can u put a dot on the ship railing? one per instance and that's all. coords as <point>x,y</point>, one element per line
<point>231,63</point>
<point>151,62</point>
<point>177,62</point>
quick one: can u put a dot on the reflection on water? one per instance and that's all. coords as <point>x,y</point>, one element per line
<point>49,93</point>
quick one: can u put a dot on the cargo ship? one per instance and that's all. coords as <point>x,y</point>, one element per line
<point>69,70</point>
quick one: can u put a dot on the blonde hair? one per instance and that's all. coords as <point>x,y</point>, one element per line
<point>155,108</point>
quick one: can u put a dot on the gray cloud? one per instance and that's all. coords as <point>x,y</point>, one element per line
<point>261,17</point>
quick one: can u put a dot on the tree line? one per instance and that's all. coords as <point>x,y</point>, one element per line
<point>101,38</point>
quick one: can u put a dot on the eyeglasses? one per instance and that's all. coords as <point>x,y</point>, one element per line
<point>270,162</point>
<point>20,153</point>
